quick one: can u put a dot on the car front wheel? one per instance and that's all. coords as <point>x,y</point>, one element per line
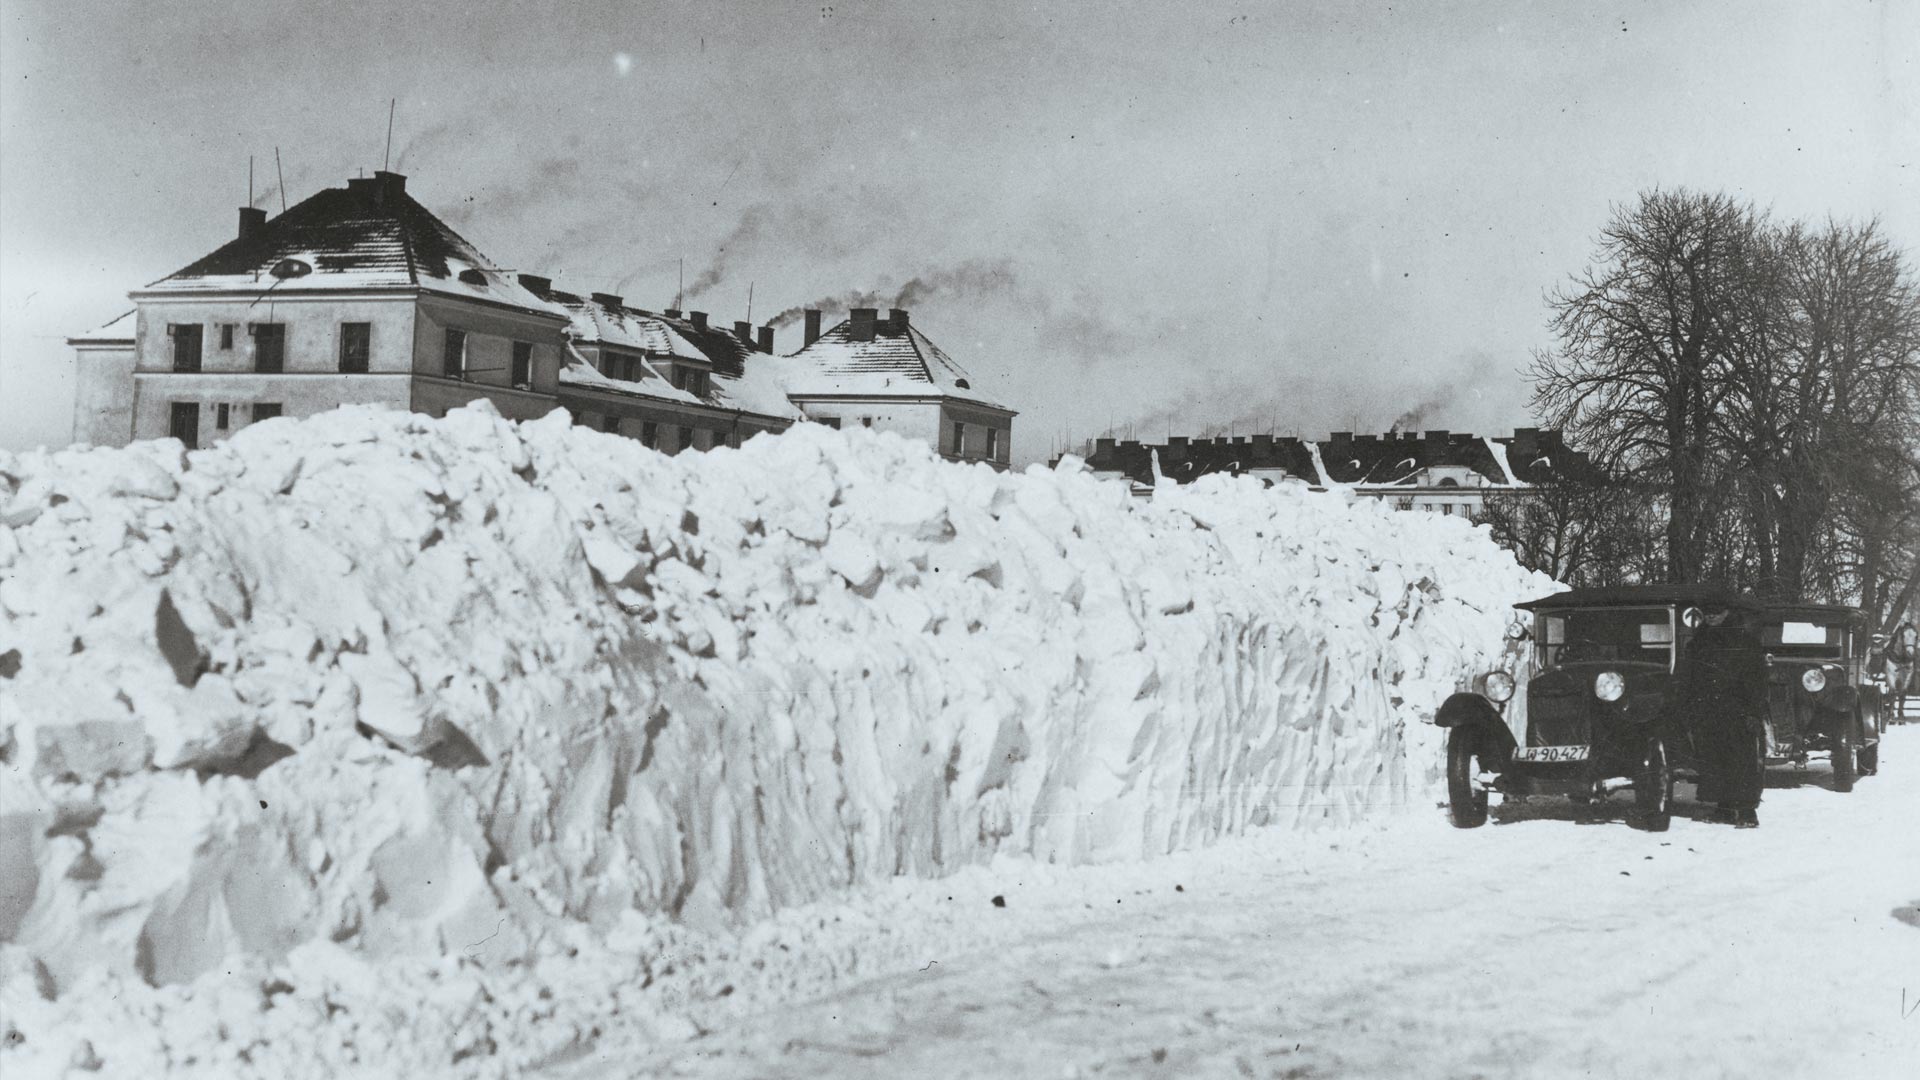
<point>1466,799</point>
<point>1868,756</point>
<point>1653,787</point>
<point>1845,765</point>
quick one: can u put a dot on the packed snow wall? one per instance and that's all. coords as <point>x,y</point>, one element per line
<point>402,684</point>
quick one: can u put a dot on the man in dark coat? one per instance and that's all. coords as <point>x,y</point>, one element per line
<point>1722,698</point>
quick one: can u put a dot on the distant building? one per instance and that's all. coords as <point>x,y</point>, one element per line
<point>360,295</point>
<point>1440,471</point>
<point>886,374</point>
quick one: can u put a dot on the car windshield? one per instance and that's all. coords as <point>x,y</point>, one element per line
<point>1804,638</point>
<point>1637,634</point>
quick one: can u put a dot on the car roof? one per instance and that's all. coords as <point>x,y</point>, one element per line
<point>1843,611</point>
<point>1644,596</point>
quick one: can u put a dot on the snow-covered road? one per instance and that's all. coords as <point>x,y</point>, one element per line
<point>1535,947</point>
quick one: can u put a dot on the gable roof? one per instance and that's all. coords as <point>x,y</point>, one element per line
<point>368,235</point>
<point>899,361</point>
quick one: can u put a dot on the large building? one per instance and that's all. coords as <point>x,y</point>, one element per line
<point>885,374</point>
<point>360,295</point>
<point>1439,471</point>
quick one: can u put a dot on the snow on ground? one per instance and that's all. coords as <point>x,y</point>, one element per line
<point>1536,947</point>
<point>373,741</point>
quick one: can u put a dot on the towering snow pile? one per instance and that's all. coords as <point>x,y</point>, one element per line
<point>373,688</point>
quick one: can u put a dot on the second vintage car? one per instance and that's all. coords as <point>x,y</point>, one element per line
<point>1822,699</point>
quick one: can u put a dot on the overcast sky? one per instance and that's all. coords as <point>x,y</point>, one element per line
<point>1181,217</point>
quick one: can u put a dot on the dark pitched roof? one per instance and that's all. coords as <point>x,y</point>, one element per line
<point>369,234</point>
<point>1400,458</point>
<point>1538,457</point>
<point>1189,459</point>
<point>897,360</point>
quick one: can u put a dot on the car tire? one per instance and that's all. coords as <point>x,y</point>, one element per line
<point>1846,767</point>
<point>1466,802</point>
<point>1653,787</point>
<point>1868,757</point>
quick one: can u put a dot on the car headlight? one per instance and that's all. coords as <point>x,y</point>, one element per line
<point>1499,685</point>
<point>1609,686</point>
<point>1814,680</point>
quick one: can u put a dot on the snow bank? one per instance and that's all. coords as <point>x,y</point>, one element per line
<point>360,735</point>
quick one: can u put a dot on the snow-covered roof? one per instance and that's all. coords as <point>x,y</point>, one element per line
<point>117,332</point>
<point>368,235</point>
<point>898,361</point>
<point>742,379</point>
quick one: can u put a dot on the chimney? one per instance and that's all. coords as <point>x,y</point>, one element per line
<point>699,319</point>
<point>389,187</point>
<point>898,317</point>
<point>1102,449</point>
<point>535,283</point>
<point>862,326</point>
<point>813,327</point>
<point>672,313</point>
<point>766,339</point>
<point>607,299</point>
<point>1339,437</point>
<point>252,220</point>
<point>744,331</point>
<point>1439,436</point>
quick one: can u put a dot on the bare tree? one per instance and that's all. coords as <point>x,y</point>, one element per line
<point>1647,336</point>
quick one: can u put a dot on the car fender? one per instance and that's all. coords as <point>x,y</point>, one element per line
<point>1475,712</point>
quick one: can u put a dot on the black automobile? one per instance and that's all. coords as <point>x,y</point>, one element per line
<point>1822,697</point>
<point>1594,716</point>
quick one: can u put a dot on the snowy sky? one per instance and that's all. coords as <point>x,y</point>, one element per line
<point>1177,217</point>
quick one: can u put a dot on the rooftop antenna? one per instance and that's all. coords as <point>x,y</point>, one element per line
<point>249,180</point>
<point>283,179</point>
<point>680,292</point>
<point>386,161</point>
<point>749,301</point>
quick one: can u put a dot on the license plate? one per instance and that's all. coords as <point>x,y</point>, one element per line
<point>1551,753</point>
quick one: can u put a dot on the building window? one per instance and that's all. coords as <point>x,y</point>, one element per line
<point>649,434</point>
<point>453,355</point>
<point>226,336</point>
<point>356,346</point>
<point>183,421</point>
<point>1405,502</point>
<point>522,365</point>
<point>866,421</point>
<point>1446,508</point>
<point>959,438</point>
<point>269,347</point>
<point>265,410</point>
<point>631,369</point>
<point>993,442</point>
<point>686,438</point>
<point>612,425</point>
<point>186,346</point>
<point>831,421</point>
<point>733,439</point>
<point>221,414</point>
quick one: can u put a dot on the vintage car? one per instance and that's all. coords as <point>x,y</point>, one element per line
<point>1822,697</point>
<point>1594,716</point>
